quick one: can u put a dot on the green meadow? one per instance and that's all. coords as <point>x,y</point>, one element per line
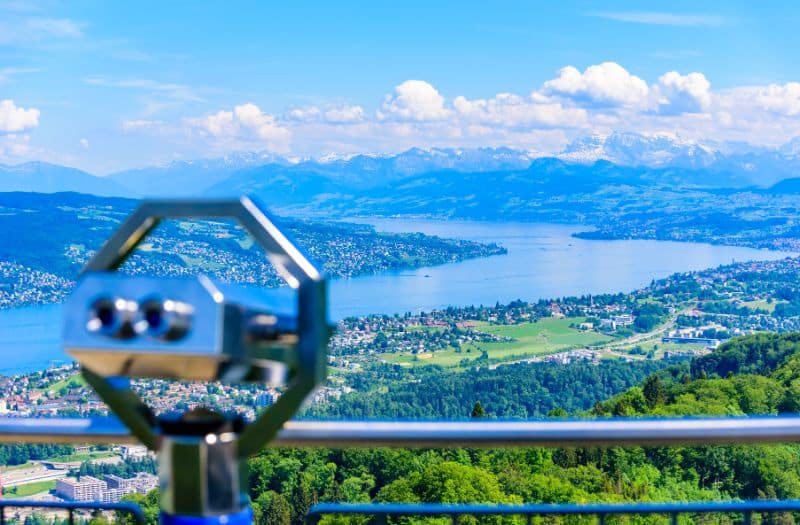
<point>546,336</point>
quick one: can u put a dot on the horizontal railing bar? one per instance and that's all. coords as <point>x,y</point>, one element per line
<point>64,430</point>
<point>131,508</point>
<point>432,509</point>
<point>444,434</point>
<point>551,433</point>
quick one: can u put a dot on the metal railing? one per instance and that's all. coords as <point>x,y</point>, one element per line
<point>71,506</point>
<point>448,434</point>
<point>381,512</point>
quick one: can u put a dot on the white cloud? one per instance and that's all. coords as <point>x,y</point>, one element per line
<point>606,84</point>
<point>305,114</point>
<point>678,93</point>
<point>218,124</point>
<point>262,124</point>
<point>179,92</point>
<point>25,31</point>
<point>414,100</point>
<point>513,111</point>
<point>84,143</point>
<point>783,99</point>
<point>56,27</point>
<point>15,119</point>
<point>663,19</point>
<point>142,125</point>
<point>245,126</point>
<point>8,73</point>
<point>332,115</point>
<point>345,114</point>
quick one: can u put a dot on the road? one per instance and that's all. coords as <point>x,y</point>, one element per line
<point>33,474</point>
<point>656,332</point>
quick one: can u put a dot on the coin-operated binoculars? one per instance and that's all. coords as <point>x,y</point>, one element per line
<point>120,327</point>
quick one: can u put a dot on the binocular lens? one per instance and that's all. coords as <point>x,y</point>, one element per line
<point>112,317</point>
<point>153,317</point>
<point>105,314</point>
<point>166,319</point>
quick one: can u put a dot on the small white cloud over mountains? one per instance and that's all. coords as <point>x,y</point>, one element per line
<point>678,93</point>
<point>606,84</point>
<point>781,99</point>
<point>246,126</point>
<point>14,119</point>
<point>513,111</point>
<point>414,100</point>
<point>344,114</point>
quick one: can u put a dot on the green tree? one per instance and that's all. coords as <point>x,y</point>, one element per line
<point>477,411</point>
<point>653,391</point>
<point>273,509</point>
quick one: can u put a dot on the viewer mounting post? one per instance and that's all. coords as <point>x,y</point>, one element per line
<point>121,326</point>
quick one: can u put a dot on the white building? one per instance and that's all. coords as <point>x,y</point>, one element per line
<point>86,488</point>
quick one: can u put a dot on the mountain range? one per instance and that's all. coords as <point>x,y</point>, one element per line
<point>591,161</point>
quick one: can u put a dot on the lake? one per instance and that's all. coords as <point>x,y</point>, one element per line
<point>543,261</point>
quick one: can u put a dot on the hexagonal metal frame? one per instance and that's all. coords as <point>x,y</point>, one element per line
<point>292,265</point>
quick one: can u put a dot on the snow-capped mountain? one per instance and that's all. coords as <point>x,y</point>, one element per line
<point>632,149</point>
<point>419,160</point>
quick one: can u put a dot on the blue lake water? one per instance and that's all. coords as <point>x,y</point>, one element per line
<point>543,261</point>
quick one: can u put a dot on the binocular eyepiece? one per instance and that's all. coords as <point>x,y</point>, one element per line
<point>124,318</point>
<point>186,328</point>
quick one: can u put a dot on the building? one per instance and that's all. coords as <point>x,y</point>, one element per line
<point>141,483</point>
<point>623,320</point>
<point>608,324</point>
<point>111,495</point>
<point>712,343</point>
<point>86,488</point>
<point>116,482</point>
<point>133,451</point>
<point>110,489</point>
<point>144,483</point>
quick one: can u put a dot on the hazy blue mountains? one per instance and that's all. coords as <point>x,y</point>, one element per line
<point>51,178</point>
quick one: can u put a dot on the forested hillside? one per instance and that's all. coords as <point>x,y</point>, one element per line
<point>515,391</point>
<point>765,379</point>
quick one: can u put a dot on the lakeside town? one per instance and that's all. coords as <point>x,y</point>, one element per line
<point>41,269</point>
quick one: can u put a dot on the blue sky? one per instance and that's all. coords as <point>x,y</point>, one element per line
<point>106,87</point>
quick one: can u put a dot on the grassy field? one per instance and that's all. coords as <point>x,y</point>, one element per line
<point>762,305</point>
<point>658,348</point>
<point>29,489</point>
<point>546,336</point>
<point>16,467</point>
<point>83,457</point>
<point>76,379</point>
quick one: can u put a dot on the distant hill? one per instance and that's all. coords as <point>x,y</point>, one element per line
<point>188,178</point>
<point>50,178</point>
<point>786,187</point>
